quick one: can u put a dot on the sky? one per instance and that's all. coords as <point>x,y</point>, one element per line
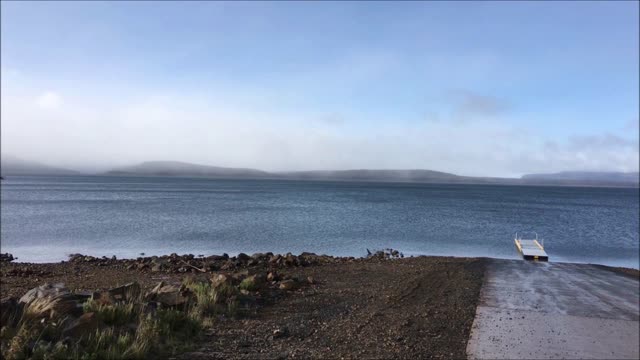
<point>473,88</point>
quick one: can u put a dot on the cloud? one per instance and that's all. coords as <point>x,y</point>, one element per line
<point>467,105</point>
<point>632,125</point>
<point>49,100</point>
<point>603,152</point>
<point>601,142</point>
<point>101,130</point>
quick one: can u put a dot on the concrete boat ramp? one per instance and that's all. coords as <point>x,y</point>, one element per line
<point>540,310</point>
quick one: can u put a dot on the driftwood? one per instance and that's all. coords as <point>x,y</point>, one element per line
<point>193,267</point>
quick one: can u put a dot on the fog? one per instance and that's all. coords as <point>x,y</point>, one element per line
<point>475,136</point>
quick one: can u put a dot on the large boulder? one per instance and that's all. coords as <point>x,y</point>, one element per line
<point>126,293</point>
<point>6,257</point>
<point>243,257</point>
<point>46,290</point>
<point>55,306</point>
<point>221,280</point>
<point>169,295</point>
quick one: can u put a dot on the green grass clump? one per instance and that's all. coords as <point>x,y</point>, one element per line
<point>113,314</point>
<point>210,302</point>
<point>126,332</point>
<point>249,284</point>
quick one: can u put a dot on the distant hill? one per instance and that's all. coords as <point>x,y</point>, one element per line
<point>14,166</point>
<point>377,175</point>
<point>177,168</point>
<point>10,165</point>
<point>586,177</point>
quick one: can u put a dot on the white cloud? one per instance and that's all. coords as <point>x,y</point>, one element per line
<point>101,131</point>
<point>49,100</point>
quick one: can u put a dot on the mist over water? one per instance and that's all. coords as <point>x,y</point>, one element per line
<point>46,218</point>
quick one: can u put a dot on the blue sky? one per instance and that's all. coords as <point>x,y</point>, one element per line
<point>478,88</point>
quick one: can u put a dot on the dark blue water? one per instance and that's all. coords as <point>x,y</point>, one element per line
<point>46,218</point>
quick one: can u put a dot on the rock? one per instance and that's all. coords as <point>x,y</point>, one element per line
<point>288,285</point>
<point>228,265</point>
<point>212,266</point>
<point>243,257</point>
<point>169,295</point>
<point>280,332</point>
<point>291,260</point>
<point>85,324</point>
<point>55,306</point>
<point>10,311</point>
<point>273,276</point>
<point>259,256</point>
<point>275,259</point>
<point>253,262</point>
<point>76,257</point>
<point>6,257</point>
<point>46,290</point>
<point>221,280</point>
<point>126,293</point>
<point>157,267</point>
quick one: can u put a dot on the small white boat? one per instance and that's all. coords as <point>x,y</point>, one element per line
<point>531,248</point>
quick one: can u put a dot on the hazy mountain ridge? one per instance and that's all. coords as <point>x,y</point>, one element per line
<point>178,168</point>
<point>11,165</point>
<point>16,166</point>
<point>595,176</point>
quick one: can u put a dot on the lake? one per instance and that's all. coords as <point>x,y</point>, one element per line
<point>46,218</point>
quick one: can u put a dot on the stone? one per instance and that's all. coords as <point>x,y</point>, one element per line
<point>126,293</point>
<point>243,257</point>
<point>10,311</point>
<point>272,276</point>
<point>54,306</point>
<point>157,267</point>
<point>259,256</point>
<point>288,285</point>
<point>228,265</point>
<point>280,332</point>
<point>220,280</point>
<point>87,323</point>
<point>291,260</point>
<point>6,257</point>
<point>169,295</point>
<point>46,290</point>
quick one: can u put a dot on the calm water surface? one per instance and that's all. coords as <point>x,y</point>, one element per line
<point>47,218</point>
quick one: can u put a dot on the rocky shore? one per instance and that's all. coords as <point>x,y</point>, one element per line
<point>246,306</point>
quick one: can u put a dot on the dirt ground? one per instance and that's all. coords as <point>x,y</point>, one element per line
<point>419,307</point>
<point>411,308</point>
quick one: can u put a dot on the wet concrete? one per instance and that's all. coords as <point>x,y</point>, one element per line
<point>555,310</point>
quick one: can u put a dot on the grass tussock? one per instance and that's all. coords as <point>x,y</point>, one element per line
<point>130,330</point>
